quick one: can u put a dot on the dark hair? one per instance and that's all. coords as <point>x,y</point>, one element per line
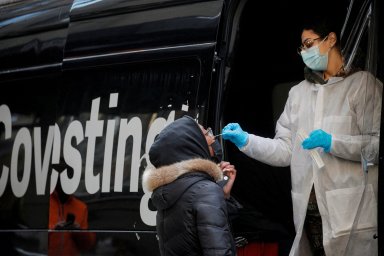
<point>323,25</point>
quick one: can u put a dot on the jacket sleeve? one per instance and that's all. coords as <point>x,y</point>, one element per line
<point>212,221</point>
<point>367,106</point>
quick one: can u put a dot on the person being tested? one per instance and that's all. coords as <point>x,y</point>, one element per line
<point>193,211</point>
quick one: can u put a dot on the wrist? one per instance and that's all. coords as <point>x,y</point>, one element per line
<point>243,141</point>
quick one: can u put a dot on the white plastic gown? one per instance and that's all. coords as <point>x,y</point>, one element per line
<point>349,109</point>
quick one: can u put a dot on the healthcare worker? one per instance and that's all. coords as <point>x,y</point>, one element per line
<point>331,121</point>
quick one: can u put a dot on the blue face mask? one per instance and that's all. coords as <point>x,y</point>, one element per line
<point>314,60</point>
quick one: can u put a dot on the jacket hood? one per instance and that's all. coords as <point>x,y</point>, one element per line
<point>180,140</point>
<point>180,149</point>
<point>168,183</point>
<point>154,178</point>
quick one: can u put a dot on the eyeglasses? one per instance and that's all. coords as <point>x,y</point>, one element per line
<point>308,43</point>
<point>209,132</point>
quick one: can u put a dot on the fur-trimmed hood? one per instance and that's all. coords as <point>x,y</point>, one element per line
<point>181,157</point>
<point>169,182</point>
<point>156,177</point>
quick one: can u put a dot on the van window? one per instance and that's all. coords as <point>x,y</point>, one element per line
<point>132,102</point>
<point>101,121</point>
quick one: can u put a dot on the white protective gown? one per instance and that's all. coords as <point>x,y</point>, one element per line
<point>349,109</point>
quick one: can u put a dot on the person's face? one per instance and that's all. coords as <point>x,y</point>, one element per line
<point>209,137</point>
<point>310,39</point>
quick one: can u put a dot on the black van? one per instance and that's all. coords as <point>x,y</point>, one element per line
<point>87,85</point>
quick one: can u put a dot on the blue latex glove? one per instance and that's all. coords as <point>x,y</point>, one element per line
<point>318,138</point>
<point>235,134</point>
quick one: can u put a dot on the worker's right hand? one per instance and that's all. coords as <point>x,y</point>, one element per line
<point>235,134</point>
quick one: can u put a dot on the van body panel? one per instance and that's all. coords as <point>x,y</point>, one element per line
<point>33,34</point>
<point>128,67</point>
<point>147,28</point>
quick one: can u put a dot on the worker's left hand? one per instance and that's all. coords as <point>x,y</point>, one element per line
<point>318,138</point>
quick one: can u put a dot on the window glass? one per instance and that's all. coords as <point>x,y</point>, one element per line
<point>120,110</point>
<point>89,131</point>
<point>27,110</point>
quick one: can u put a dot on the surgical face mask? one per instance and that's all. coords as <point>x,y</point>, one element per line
<point>218,152</point>
<point>314,60</point>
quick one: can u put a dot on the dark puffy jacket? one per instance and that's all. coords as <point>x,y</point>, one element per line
<point>192,217</point>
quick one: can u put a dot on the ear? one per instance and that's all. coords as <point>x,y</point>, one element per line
<point>332,39</point>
